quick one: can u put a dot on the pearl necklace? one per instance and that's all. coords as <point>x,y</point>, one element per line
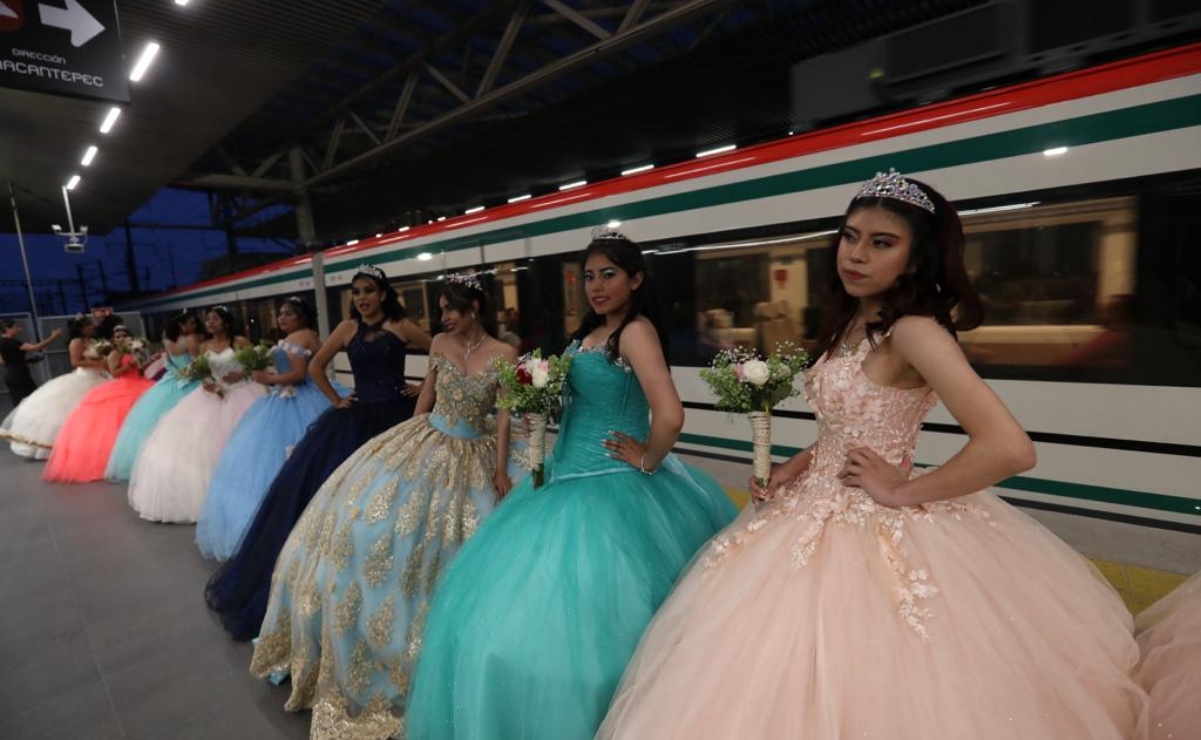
<point>469,347</point>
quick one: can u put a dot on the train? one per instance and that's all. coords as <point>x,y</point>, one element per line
<point>1081,200</point>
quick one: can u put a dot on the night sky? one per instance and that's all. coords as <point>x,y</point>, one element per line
<point>164,257</point>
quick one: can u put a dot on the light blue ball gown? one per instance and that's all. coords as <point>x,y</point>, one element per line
<point>352,584</point>
<point>252,457</point>
<point>535,621</point>
<point>168,391</point>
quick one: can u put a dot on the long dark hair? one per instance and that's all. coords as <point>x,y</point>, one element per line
<point>465,299</point>
<point>935,284</point>
<point>76,326</point>
<point>390,304</point>
<point>627,255</point>
<point>307,314</point>
<point>175,324</point>
<point>227,321</point>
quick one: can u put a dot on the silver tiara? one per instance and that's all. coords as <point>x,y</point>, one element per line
<point>892,185</point>
<point>121,327</point>
<point>464,278</point>
<point>372,270</point>
<point>604,232</point>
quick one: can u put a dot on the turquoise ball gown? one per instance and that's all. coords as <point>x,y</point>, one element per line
<point>535,621</point>
<point>168,391</point>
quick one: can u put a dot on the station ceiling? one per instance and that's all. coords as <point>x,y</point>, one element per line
<point>387,112</point>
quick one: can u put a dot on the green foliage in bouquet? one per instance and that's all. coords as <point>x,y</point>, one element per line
<point>254,357</point>
<point>533,385</point>
<point>744,382</point>
<point>198,369</point>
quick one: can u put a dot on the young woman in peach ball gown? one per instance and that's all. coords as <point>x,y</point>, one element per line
<point>861,599</point>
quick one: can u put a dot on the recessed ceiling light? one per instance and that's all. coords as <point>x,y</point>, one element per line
<point>72,182</point>
<point>717,150</point>
<point>148,55</point>
<point>89,155</point>
<point>636,170</point>
<point>110,119</point>
<point>572,185</point>
<point>518,198</point>
<point>1055,151</point>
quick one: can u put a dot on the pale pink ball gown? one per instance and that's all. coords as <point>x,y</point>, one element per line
<point>86,440</point>
<point>1169,634</point>
<point>825,616</point>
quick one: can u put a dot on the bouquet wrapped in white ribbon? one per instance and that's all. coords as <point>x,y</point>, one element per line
<point>533,387</point>
<point>745,383</point>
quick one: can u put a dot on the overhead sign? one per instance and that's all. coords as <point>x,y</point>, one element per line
<point>65,47</point>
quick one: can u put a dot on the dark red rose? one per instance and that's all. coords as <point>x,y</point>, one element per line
<point>524,377</point>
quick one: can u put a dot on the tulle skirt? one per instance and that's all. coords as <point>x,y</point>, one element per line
<point>256,451</point>
<point>141,421</point>
<point>82,449</point>
<point>353,582</point>
<point>173,470</point>
<point>534,622</point>
<point>841,619</point>
<point>1169,635</point>
<point>238,590</point>
<point>35,424</point>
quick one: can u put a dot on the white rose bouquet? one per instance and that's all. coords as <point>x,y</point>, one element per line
<point>745,383</point>
<point>533,387</point>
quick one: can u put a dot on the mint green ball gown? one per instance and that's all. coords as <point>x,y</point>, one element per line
<point>534,622</point>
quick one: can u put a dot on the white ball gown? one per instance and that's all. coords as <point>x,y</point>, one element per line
<point>172,473</point>
<point>34,425</point>
<point>826,616</point>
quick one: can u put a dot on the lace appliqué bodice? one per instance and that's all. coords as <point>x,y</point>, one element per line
<point>852,411</point>
<point>464,399</point>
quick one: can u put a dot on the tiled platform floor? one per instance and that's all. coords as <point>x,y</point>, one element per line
<point>104,634</point>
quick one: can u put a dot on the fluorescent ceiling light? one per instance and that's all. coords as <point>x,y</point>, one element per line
<point>717,150</point>
<point>571,185</point>
<point>379,235</point>
<point>475,209</point>
<point>352,242</point>
<point>72,182</point>
<point>181,2</point>
<point>148,55</point>
<point>613,223</point>
<point>110,119</point>
<point>403,229</point>
<point>89,155</point>
<point>518,198</point>
<point>442,218</point>
<point>636,170</point>
<point>425,256</point>
<point>1055,151</point>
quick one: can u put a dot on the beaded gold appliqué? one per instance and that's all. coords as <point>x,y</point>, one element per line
<point>852,411</point>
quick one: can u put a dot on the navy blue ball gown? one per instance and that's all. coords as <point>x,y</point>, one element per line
<point>238,590</point>
<point>534,622</point>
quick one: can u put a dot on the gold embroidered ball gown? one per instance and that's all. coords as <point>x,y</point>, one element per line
<point>1169,635</point>
<point>826,616</point>
<point>353,581</point>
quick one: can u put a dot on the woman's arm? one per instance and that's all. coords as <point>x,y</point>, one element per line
<point>641,350</point>
<point>116,367</point>
<point>997,445</point>
<point>413,335</point>
<point>336,342</point>
<point>500,480</point>
<point>425,400</point>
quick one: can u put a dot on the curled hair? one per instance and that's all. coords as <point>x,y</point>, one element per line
<point>465,299</point>
<point>390,304</point>
<point>104,329</point>
<point>307,314</point>
<point>227,321</point>
<point>175,325</point>
<point>6,324</point>
<point>627,255</point>
<point>934,284</point>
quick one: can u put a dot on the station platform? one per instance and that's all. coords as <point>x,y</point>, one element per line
<point>104,633</point>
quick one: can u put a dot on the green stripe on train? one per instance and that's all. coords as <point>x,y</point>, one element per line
<point>1080,491</point>
<point>1140,120</point>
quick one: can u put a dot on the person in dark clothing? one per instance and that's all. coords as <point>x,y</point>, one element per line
<point>16,364</point>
